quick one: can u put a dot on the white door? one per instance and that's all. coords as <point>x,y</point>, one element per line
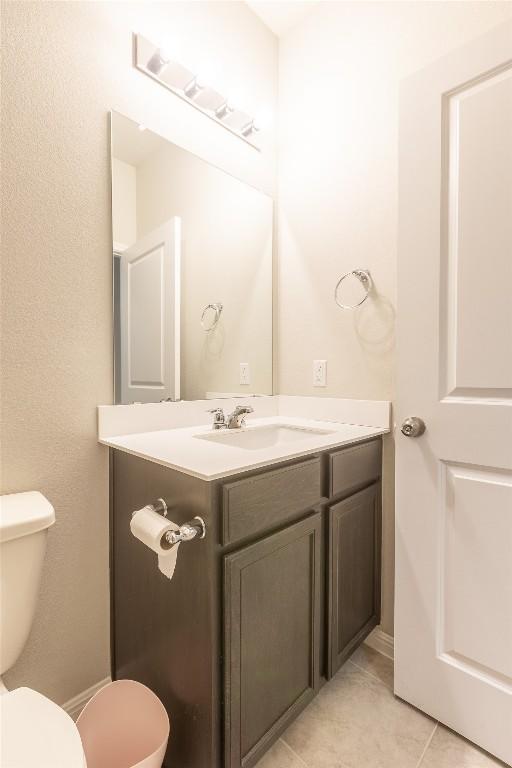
<point>453,619</point>
<point>149,298</point>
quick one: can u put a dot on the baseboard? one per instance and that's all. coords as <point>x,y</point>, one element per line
<point>75,705</point>
<point>382,642</point>
<point>377,639</point>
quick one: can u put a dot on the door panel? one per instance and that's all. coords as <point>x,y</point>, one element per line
<point>476,588</point>
<point>453,607</point>
<point>477,258</point>
<point>272,649</point>
<point>354,573</point>
<point>149,316</point>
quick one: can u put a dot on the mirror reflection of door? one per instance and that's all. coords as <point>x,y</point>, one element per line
<point>149,312</point>
<point>225,255</point>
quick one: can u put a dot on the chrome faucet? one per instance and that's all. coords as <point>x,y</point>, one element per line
<point>236,419</point>
<point>233,420</point>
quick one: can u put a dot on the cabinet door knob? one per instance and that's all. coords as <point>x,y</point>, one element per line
<point>413,426</point>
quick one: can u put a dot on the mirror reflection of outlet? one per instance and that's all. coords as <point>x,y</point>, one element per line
<point>245,374</point>
<point>319,373</point>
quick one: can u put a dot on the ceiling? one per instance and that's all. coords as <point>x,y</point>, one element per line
<point>281,15</point>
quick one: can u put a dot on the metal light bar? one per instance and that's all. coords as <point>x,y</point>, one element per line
<point>157,64</point>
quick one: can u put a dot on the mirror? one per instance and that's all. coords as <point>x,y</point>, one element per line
<point>192,265</point>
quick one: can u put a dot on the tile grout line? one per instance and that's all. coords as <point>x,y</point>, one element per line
<point>389,688</point>
<point>299,758</point>
<point>427,745</point>
<point>374,677</point>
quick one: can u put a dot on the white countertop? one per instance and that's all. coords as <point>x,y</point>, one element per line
<point>183,450</point>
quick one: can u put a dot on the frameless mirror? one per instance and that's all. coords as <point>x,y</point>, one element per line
<point>192,256</point>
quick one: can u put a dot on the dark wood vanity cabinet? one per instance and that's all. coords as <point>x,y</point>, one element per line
<point>261,612</point>
<point>272,654</point>
<point>353,573</point>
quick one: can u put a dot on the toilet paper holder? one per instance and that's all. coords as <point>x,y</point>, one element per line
<point>186,532</point>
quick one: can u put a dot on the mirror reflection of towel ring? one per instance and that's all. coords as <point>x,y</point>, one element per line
<point>217,309</point>
<point>364,277</point>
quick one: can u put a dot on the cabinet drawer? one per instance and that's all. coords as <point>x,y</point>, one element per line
<point>355,466</point>
<point>265,501</point>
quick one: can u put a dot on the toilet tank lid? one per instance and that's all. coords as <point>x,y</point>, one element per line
<point>24,513</point>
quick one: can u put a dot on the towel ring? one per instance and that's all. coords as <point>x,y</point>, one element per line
<point>364,277</point>
<point>217,308</point>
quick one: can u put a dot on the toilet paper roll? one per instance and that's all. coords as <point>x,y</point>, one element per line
<point>150,528</point>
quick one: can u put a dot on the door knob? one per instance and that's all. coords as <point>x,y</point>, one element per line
<point>413,426</point>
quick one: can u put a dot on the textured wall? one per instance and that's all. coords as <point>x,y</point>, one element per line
<point>64,66</point>
<point>339,73</point>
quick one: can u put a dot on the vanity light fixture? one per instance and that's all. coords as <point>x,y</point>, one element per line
<point>209,100</point>
<point>223,110</point>
<point>193,88</point>
<point>158,61</point>
<point>189,86</point>
<point>250,128</point>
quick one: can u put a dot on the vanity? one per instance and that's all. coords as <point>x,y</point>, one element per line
<point>264,609</point>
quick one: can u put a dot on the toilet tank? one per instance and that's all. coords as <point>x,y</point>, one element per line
<point>24,522</point>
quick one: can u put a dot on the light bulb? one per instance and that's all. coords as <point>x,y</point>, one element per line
<point>263,119</point>
<point>208,73</point>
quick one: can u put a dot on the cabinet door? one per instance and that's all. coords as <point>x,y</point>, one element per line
<point>272,622</point>
<point>354,573</point>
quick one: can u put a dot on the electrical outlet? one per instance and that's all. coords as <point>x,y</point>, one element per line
<point>245,374</point>
<point>319,373</point>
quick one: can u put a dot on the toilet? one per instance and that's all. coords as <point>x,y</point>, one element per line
<point>34,730</point>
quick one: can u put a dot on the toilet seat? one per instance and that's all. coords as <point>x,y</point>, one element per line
<point>37,732</point>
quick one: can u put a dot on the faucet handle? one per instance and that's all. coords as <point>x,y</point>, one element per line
<point>218,417</point>
<point>244,409</point>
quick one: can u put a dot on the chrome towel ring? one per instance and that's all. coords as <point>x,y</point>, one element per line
<point>217,309</point>
<point>364,277</point>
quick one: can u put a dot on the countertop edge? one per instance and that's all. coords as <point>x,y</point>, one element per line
<point>375,432</point>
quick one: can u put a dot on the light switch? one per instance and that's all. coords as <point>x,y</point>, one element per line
<point>245,374</point>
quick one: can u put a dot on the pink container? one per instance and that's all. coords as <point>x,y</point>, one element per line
<point>124,725</point>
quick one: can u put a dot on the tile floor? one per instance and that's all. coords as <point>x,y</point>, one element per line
<point>356,722</point>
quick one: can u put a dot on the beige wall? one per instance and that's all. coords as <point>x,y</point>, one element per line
<point>338,121</point>
<point>64,66</point>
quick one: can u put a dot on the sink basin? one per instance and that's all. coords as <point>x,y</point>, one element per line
<point>255,438</point>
